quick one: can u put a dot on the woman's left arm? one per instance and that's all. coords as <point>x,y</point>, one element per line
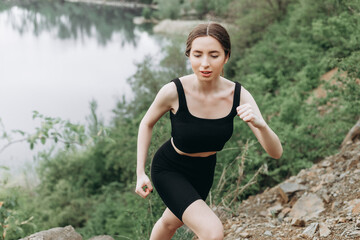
<point>249,112</point>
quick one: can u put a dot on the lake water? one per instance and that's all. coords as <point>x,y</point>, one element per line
<point>56,57</point>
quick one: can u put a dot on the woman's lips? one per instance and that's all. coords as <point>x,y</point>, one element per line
<point>206,73</point>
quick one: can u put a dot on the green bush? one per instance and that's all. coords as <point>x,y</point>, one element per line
<point>146,13</point>
<point>15,219</point>
<point>168,9</point>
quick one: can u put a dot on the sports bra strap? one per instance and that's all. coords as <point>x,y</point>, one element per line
<point>181,94</point>
<point>237,95</point>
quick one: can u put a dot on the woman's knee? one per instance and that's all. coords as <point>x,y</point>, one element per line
<point>203,221</point>
<point>168,225</point>
<point>169,221</point>
<point>213,233</point>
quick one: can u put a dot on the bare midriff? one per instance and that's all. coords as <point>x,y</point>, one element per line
<point>200,154</point>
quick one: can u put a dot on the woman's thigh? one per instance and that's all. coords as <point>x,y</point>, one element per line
<point>175,190</point>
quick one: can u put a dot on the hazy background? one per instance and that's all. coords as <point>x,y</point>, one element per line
<point>58,76</point>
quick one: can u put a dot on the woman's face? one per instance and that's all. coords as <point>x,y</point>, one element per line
<point>207,58</point>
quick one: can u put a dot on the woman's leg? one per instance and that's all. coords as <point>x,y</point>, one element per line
<point>166,226</point>
<point>203,221</point>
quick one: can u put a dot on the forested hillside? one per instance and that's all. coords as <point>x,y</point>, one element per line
<point>280,51</point>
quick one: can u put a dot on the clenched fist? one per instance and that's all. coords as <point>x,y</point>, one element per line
<point>143,186</point>
<point>247,114</point>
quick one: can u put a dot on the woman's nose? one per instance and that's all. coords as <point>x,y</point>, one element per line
<point>205,62</point>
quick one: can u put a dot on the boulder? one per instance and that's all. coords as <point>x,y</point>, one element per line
<point>66,233</point>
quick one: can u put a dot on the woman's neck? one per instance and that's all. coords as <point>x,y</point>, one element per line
<point>207,86</point>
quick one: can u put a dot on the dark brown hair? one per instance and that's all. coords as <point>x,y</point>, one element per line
<point>214,30</point>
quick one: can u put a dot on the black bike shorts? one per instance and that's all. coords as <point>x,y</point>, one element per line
<point>180,180</point>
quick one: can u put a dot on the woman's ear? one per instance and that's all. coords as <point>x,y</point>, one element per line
<point>226,59</point>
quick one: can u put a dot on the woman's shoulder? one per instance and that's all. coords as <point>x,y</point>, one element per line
<point>168,91</point>
<point>166,96</point>
<point>245,96</point>
<point>168,88</point>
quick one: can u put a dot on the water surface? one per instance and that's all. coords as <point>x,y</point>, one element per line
<point>56,57</point>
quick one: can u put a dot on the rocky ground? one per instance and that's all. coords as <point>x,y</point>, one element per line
<point>322,202</point>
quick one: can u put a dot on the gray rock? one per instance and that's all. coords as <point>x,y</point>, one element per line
<point>357,224</point>
<point>274,210</point>
<point>240,229</point>
<point>324,230</point>
<point>290,187</point>
<point>268,233</point>
<point>354,234</point>
<point>310,231</point>
<point>66,233</point>
<point>325,164</point>
<point>245,235</point>
<point>307,207</point>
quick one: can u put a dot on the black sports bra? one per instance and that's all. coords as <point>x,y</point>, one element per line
<point>192,134</point>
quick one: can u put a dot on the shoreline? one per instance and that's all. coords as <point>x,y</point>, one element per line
<point>114,3</point>
<point>183,27</point>
<point>163,26</point>
<point>175,27</point>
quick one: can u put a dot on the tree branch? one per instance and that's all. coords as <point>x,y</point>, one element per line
<point>11,143</point>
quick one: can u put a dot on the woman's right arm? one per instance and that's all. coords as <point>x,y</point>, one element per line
<point>164,101</point>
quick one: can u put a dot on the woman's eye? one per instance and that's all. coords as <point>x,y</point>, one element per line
<point>197,55</point>
<point>214,56</point>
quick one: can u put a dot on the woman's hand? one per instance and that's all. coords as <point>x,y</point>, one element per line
<point>143,186</point>
<point>246,113</point>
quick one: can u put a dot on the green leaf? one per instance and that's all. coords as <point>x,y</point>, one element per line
<point>46,134</point>
<point>19,131</point>
<point>5,168</point>
<point>35,114</point>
